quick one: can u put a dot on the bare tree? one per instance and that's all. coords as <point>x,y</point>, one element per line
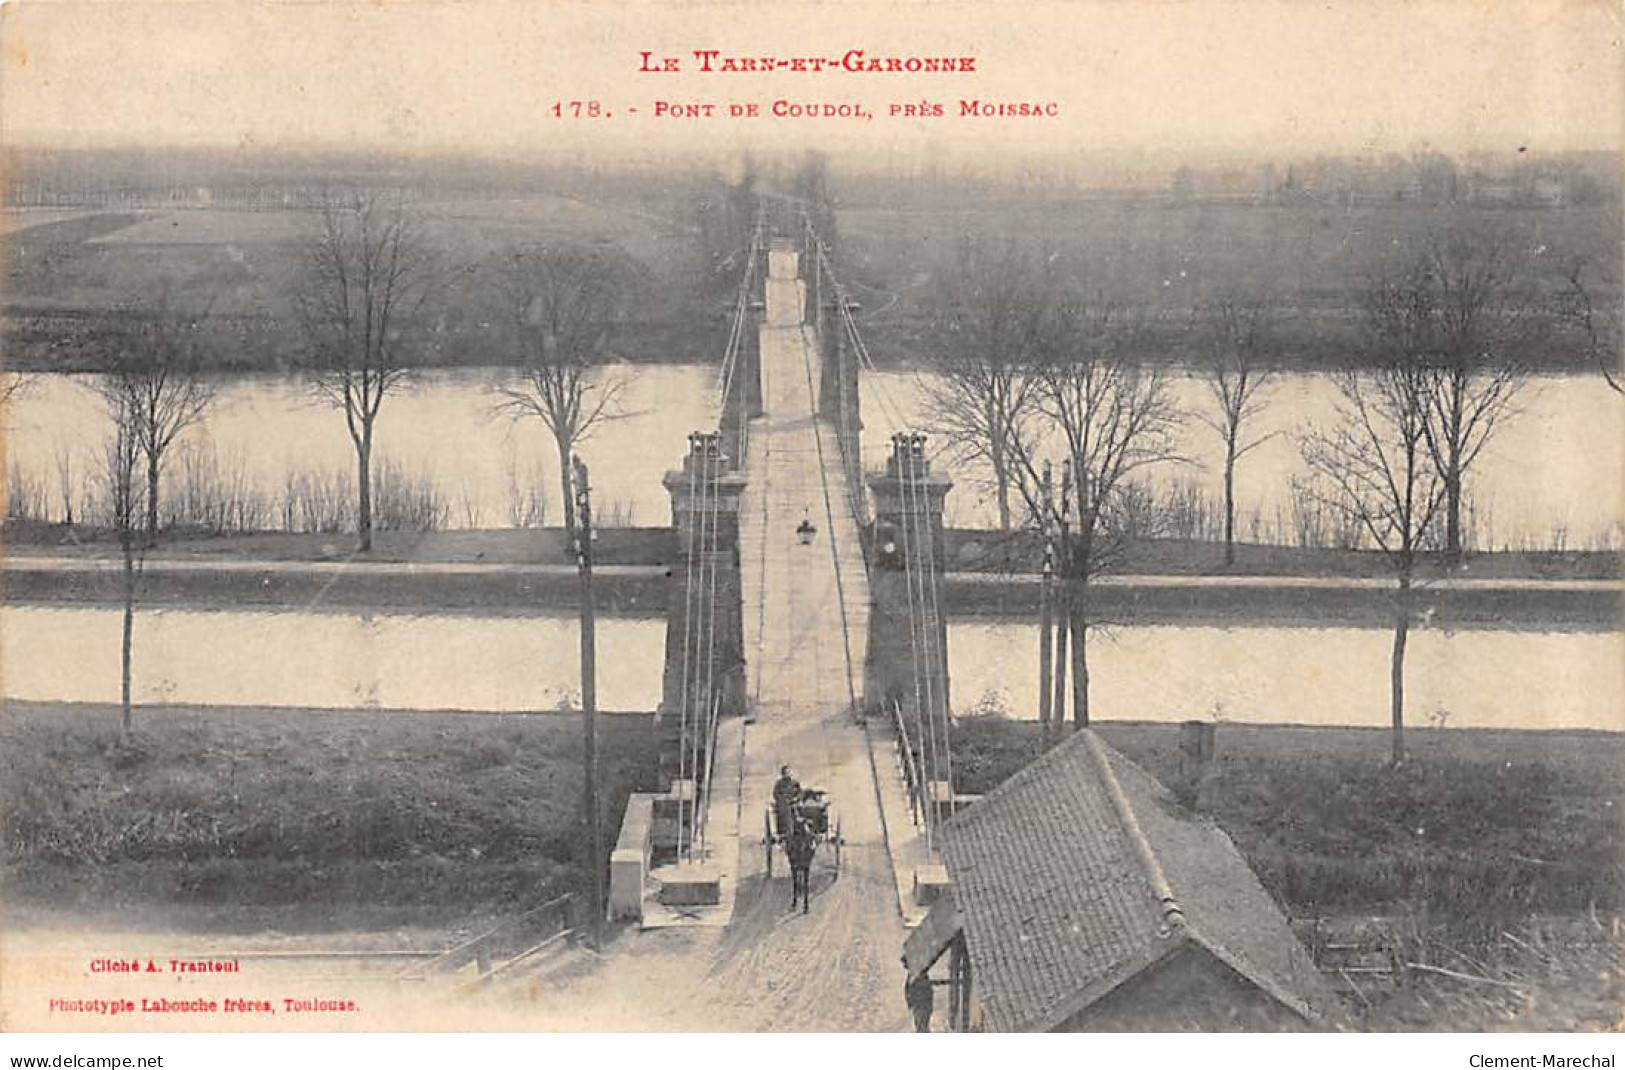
<point>121,454</point>
<point>1460,314</point>
<point>984,389</point>
<point>565,304</point>
<point>367,276</point>
<point>156,380</point>
<point>1238,345</point>
<point>1597,325</point>
<point>1375,467</point>
<point>1117,417</point>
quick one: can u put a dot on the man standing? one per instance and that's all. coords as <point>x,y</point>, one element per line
<point>786,793</point>
<point>918,995</point>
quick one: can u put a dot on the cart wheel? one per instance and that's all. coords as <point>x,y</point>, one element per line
<point>838,840</point>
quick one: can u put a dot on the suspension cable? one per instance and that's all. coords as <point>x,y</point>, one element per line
<point>937,657</point>
<point>694,702</point>
<point>711,626</point>
<point>688,623</point>
<point>900,457</point>
<point>730,353</point>
<point>925,653</point>
<point>911,511</point>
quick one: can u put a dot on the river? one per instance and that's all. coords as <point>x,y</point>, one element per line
<point>1323,676</point>
<point>1552,477</point>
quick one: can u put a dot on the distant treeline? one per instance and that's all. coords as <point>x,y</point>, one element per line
<point>261,180</point>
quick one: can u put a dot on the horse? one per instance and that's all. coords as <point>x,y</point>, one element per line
<point>800,846</point>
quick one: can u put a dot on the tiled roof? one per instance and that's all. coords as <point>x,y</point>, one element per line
<point>1081,870</point>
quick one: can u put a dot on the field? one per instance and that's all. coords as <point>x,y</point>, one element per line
<point>213,819</point>
<point>66,270</point>
<point>1312,260</point>
<point>64,275</point>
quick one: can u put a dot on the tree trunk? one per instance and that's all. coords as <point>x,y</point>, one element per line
<point>363,453</point>
<point>565,489</point>
<point>1452,518</point>
<point>1230,503</point>
<point>589,717</point>
<point>126,649</point>
<point>1001,486</point>
<point>1396,672</point>
<point>152,501</point>
<point>1453,467</point>
<point>1046,623</point>
<point>1080,667</point>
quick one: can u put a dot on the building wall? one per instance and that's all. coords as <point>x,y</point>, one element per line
<point>1188,991</point>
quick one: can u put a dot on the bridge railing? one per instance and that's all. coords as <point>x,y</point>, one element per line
<point>516,939</point>
<point>703,817</point>
<point>906,759</point>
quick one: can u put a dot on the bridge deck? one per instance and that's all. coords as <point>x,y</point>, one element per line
<point>806,620</point>
<point>806,606</point>
<point>805,631</point>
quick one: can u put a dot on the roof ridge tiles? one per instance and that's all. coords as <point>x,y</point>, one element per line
<point>1173,915</point>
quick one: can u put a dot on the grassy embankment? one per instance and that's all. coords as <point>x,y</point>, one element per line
<point>1477,827</point>
<point>1498,856</point>
<point>998,561</point>
<point>298,820</point>
<point>1016,552</point>
<point>507,546</point>
<point>968,550</point>
<point>650,551</point>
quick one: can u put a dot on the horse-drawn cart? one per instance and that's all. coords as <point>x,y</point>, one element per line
<point>812,812</point>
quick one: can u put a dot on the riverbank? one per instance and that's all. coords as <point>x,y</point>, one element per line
<point>997,553</point>
<point>991,575</point>
<point>475,572</point>
<point>493,546</point>
<point>1165,581</point>
<point>967,550</point>
<point>1447,604</point>
<point>251,819</point>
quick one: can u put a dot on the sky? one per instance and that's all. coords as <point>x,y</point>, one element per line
<point>1247,77</point>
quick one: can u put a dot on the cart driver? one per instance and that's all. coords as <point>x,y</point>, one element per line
<point>786,793</point>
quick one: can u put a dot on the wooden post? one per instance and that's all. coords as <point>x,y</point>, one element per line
<point>589,694</point>
<point>1045,613</point>
<point>1064,617</point>
<point>1045,626</point>
<point>965,985</point>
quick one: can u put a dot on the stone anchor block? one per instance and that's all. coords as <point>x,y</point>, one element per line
<point>930,881</point>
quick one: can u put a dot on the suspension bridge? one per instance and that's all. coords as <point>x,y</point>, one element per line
<point>804,630</point>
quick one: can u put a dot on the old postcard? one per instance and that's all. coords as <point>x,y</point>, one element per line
<point>812,517</point>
